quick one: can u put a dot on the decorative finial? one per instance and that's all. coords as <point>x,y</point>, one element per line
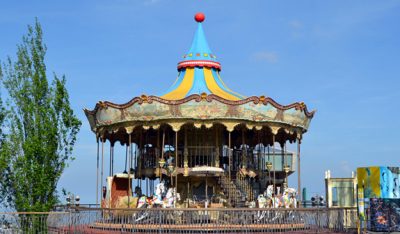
<point>199,17</point>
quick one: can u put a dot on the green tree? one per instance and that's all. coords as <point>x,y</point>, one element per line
<point>41,128</point>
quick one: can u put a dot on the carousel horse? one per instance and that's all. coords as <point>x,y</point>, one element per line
<point>289,198</point>
<point>170,198</point>
<point>269,191</point>
<point>142,202</point>
<point>158,193</point>
<point>262,201</point>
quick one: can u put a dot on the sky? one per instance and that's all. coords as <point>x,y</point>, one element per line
<point>342,58</point>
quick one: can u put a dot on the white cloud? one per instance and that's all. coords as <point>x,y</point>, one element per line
<point>267,56</point>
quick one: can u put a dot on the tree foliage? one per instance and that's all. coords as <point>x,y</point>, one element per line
<point>40,126</point>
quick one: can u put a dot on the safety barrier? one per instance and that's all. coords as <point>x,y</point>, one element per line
<point>221,220</point>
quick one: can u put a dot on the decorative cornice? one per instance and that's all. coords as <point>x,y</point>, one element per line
<point>199,63</point>
<point>198,98</point>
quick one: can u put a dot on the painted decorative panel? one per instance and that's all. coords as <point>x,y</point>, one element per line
<point>379,182</point>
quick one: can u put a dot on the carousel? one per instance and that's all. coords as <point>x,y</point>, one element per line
<point>200,144</point>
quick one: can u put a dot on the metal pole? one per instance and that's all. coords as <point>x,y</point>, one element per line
<point>112,162</point>
<point>177,164</point>
<point>284,164</point>
<point>244,160</point>
<point>298,172</point>
<point>273,160</point>
<point>128,145</point>
<point>206,190</point>
<point>216,160</point>
<point>97,171</point>
<point>229,156</point>
<point>158,149</point>
<point>102,165</point>
<point>109,168</point>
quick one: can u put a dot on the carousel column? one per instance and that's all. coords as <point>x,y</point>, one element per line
<point>176,127</point>
<point>140,159</point>
<point>157,172</point>
<point>274,132</point>
<point>161,163</point>
<point>273,161</point>
<point>110,169</point>
<point>229,155</point>
<point>298,171</point>
<point>176,166</point>
<point>129,152</point>
<point>286,167</point>
<point>129,146</point>
<point>185,157</point>
<point>216,148</point>
<point>102,166</point>
<point>244,151</point>
<point>97,171</point>
<point>111,158</point>
<point>112,161</point>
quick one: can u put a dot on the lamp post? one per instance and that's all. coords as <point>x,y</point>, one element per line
<point>72,200</point>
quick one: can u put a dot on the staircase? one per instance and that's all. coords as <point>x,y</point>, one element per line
<point>243,184</point>
<point>235,195</point>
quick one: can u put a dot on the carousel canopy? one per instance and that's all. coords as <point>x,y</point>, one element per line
<point>199,71</point>
<point>199,97</point>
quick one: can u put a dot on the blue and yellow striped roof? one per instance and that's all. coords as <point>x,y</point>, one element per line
<point>199,73</point>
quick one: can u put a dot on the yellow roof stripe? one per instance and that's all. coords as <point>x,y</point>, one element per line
<point>214,87</point>
<point>184,87</point>
<point>226,87</point>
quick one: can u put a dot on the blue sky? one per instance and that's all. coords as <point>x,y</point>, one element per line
<point>341,58</point>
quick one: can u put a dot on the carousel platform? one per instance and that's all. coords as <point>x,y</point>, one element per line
<point>196,228</point>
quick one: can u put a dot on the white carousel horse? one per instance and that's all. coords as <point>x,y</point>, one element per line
<point>289,197</point>
<point>262,201</point>
<point>269,191</point>
<point>170,198</point>
<point>159,191</point>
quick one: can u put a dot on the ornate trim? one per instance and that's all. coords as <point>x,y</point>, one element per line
<point>230,126</point>
<point>198,98</point>
<point>199,63</point>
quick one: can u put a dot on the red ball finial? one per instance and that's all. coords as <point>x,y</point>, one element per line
<point>199,17</point>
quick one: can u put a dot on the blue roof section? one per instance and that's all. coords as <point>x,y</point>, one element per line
<point>199,49</point>
<point>199,83</point>
<point>177,82</point>
<point>223,86</point>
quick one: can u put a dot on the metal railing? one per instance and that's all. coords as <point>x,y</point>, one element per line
<point>245,186</point>
<point>221,220</point>
<point>204,220</point>
<point>201,156</point>
<point>234,196</point>
<point>26,222</point>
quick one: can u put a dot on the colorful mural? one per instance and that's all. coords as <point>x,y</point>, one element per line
<point>379,182</point>
<point>385,214</point>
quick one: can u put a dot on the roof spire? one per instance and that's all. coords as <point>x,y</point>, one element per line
<point>199,71</point>
<point>199,54</point>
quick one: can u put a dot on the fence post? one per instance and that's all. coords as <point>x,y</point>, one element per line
<point>318,220</point>
<point>69,220</point>
<point>159,220</point>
